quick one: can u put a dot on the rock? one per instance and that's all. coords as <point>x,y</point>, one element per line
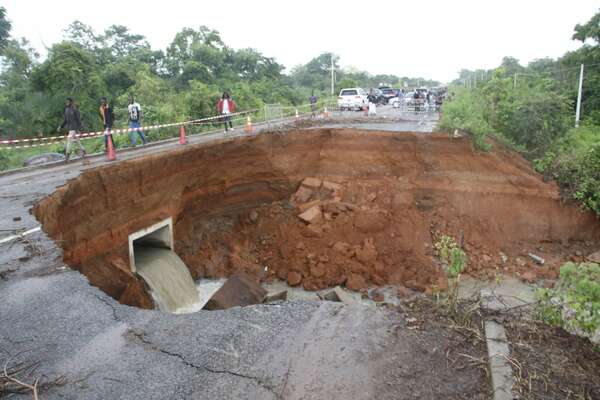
<point>122,266</point>
<point>253,216</point>
<point>376,295</point>
<point>135,294</point>
<point>310,204</point>
<point>334,187</point>
<point>503,258</point>
<point>486,259</point>
<point>520,262</point>
<point>313,183</point>
<point>302,195</point>
<point>341,247</point>
<point>538,260</point>
<point>328,295</point>
<point>312,231</point>
<point>529,277</point>
<point>356,282</point>
<point>367,253</point>
<point>294,278</point>
<point>239,290</point>
<point>318,271</point>
<point>277,296</point>
<point>344,296</point>
<point>312,215</point>
<point>594,257</point>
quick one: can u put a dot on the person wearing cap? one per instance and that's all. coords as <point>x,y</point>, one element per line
<point>72,121</point>
<point>108,118</point>
<point>226,106</point>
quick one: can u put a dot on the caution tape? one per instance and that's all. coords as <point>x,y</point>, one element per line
<point>89,135</point>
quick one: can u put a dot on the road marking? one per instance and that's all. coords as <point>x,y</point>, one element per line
<point>20,235</point>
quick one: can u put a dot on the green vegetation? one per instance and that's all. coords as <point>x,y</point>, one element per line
<point>451,254</point>
<point>180,83</point>
<point>532,109</point>
<point>574,303</point>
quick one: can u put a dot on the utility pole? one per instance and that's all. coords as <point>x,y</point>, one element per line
<point>332,71</point>
<point>578,110</point>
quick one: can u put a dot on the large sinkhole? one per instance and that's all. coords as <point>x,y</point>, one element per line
<point>318,208</point>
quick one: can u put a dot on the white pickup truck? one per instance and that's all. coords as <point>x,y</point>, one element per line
<point>352,99</point>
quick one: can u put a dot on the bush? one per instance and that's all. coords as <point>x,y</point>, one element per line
<point>574,161</point>
<point>451,254</point>
<point>466,112</point>
<point>574,303</point>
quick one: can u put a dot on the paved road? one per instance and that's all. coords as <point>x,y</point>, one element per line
<point>294,350</point>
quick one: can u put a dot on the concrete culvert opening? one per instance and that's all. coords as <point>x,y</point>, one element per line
<point>151,256</point>
<point>316,209</point>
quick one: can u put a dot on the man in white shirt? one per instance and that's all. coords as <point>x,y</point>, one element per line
<point>134,110</point>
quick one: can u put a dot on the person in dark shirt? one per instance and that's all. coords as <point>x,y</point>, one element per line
<point>108,118</point>
<point>72,121</point>
<point>313,104</point>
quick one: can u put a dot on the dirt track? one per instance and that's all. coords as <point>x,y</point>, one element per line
<point>381,202</point>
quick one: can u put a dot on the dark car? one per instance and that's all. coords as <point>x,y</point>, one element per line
<point>388,93</point>
<point>378,95</point>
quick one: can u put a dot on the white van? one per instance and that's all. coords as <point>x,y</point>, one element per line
<point>352,99</point>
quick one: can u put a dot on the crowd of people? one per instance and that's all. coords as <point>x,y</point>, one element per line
<point>73,125</point>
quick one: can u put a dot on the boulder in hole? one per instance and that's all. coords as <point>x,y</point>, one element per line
<point>312,215</point>
<point>239,290</point>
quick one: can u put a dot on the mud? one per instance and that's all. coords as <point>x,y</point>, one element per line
<point>374,204</point>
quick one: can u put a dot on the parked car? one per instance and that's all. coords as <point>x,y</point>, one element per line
<point>352,99</point>
<point>388,93</point>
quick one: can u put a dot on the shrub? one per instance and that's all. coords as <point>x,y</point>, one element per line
<point>574,303</point>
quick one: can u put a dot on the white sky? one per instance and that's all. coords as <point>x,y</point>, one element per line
<point>432,39</point>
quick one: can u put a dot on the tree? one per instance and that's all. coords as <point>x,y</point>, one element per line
<point>589,30</point>
<point>5,27</point>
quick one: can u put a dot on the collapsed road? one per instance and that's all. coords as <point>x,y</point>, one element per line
<point>382,197</point>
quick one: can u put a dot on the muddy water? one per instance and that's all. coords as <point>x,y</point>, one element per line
<point>172,285</point>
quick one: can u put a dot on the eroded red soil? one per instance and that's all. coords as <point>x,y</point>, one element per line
<point>374,204</point>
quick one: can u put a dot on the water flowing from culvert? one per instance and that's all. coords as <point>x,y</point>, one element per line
<point>169,279</point>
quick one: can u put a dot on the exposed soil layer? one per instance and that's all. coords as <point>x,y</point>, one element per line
<point>368,214</point>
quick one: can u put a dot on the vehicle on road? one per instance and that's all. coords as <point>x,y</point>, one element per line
<point>352,99</point>
<point>388,93</point>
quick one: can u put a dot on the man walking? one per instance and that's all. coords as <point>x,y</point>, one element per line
<point>313,104</point>
<point>135,119</point>
<point>72,121</point>
<point>108,117</point>
<point>225,107</point>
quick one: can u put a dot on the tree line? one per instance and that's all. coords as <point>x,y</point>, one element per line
<point>178,83</point>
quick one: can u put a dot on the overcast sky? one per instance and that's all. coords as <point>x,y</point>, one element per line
<point>432,39</point>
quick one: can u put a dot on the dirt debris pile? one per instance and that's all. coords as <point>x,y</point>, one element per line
<point>320,208</point>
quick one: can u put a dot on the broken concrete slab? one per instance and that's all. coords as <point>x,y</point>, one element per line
<point>302,195</point>
<point>276,296</point>
<point>331,186</point>
<point>239,290</point>
<point>337,294</point>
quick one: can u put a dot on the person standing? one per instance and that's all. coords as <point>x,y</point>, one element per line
<point>313,104</point>
<point>225,107</point>
<point>135,119</point>
<point>72,121</point>
<point>108,118</point>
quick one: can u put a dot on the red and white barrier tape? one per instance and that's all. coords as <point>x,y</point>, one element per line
<point>88,135</point>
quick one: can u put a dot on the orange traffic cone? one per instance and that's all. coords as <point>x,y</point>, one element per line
<point>366,109</point>
<point>182,139</point>
<point>248,126</point>
<point>110,153</point>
